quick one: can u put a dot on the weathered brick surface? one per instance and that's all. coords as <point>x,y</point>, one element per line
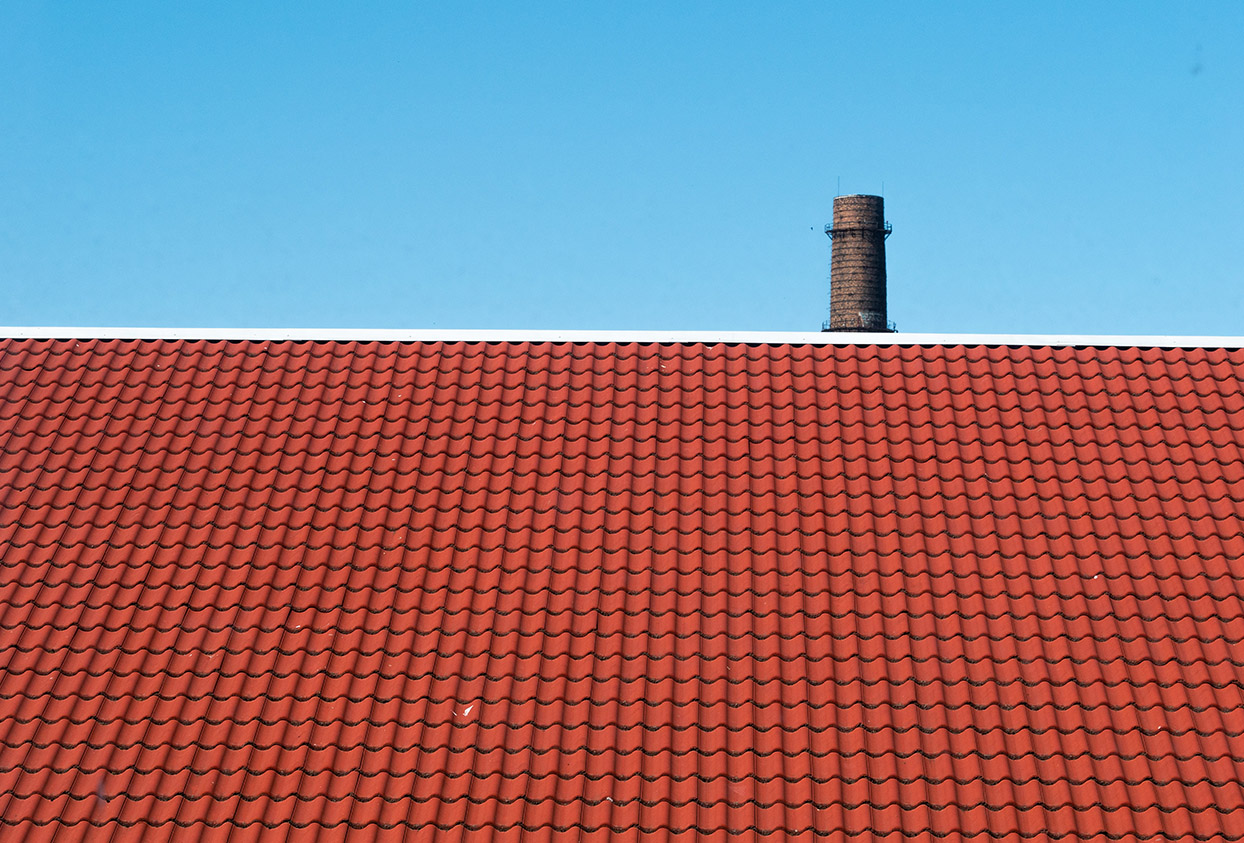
<point>857,296</point>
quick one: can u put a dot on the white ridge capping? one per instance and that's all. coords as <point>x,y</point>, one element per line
<point>708,337</point>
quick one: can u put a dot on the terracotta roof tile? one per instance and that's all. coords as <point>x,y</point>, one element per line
<point>619,591</point>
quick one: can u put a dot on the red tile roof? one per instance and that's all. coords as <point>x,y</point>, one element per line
<point>597,591</point>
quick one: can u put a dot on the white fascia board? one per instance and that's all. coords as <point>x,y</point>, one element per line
<point>707,337</point>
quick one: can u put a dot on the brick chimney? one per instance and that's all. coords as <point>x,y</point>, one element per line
<point>857,267</point>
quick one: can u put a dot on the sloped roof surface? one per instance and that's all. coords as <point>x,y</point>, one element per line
<point>599,591</point>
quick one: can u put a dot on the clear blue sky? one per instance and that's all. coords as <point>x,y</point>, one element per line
<point>1048,167</point>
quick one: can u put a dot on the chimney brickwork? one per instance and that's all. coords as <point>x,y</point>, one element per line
<point>857,294</point>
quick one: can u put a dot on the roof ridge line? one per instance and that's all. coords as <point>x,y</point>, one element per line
<point>546,335</point>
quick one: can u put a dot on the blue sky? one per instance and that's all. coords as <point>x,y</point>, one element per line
<point>1048,168</point>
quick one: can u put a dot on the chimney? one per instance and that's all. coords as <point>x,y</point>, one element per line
<point>857,268</point>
